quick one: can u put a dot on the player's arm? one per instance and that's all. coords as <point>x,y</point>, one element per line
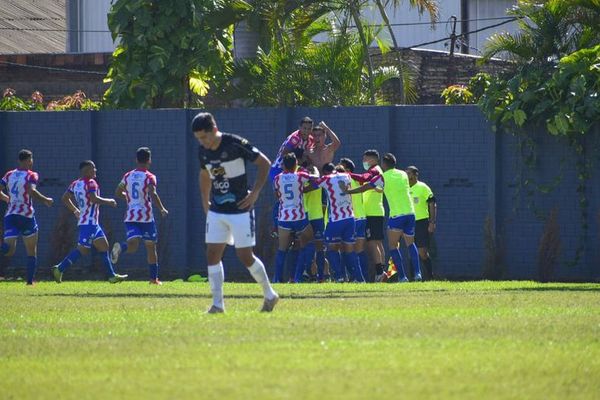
<point>94,198</point>
<point>3,196</point>
<point>34,193</point>
<point>68,199</point>
<point>335,141</point>
<point>263,165</point>
<point>205,184</point>
<point>154,194</point>
<point>120,192</point>
<point>432,205</point>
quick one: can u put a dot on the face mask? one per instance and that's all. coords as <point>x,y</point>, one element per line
<point>366,165</point>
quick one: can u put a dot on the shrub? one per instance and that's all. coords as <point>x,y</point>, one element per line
<point>457,94</point>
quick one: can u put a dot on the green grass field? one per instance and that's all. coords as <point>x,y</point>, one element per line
<point>431,340</point>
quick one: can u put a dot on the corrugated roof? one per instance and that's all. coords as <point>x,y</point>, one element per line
<point>32,14</point>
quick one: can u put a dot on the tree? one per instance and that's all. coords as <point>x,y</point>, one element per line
<point>168,47</point>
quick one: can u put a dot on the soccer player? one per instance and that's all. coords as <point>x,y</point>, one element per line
<point>374,211</point>
<point>359,218</point>
<point>83,199</point>
<point>425,215</point>
<point>300,139</point>
<point>138,189</point>
<point>341,226</point>
<point>314,208</point>
<point>228,203</point>
<point>292,218</point>
<point>322,153</point>
<point>401,224</point>
<point>19,220</point>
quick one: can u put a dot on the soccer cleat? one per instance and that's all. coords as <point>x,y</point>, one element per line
<point>418,278</point>
<point>269,304</point>
<point>215,310</point>
<point>115,253</point>
<point>117,278</point>
<point>403,280</point>
<point>57,274</point>
<point>155,282</point>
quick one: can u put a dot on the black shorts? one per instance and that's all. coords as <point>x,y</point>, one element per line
<point>422,233</point>
<point>374,228</point>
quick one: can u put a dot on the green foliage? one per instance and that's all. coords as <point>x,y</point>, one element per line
<point>457,94</point>
<point>168,47</point>
<point>76,101</point>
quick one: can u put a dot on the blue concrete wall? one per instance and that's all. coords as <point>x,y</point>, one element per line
<point>472,172</point>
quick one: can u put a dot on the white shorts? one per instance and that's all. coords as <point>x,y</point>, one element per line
<point>231,229</point>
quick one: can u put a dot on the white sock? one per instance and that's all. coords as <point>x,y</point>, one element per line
<point>216,276</point>
<point>260,275</point>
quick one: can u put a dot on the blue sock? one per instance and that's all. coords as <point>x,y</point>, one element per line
<point>153,271</point>
<point>275,214</point>
<point>344,267</point>
<point>309,256</point>
<point>397,257</point>
<point>31,268</point>
<point>414,257</point>
<point>335,261</point>
<point>321,265</point>
<point>363,261</point>
<point>279,265</point>
<point>4,248</point>
<point>107,263</point>
<point>352,263</point>
<point>69,260</point>
<point>291,262</point>
<point>124,247</point>
<point>300,266</point>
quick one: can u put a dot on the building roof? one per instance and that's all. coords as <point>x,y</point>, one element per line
<point>44,22</point>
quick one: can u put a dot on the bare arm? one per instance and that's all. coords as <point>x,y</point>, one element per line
<point>360,189</point>
<point>263,164</point>
<point>158,201</point>
<point>120,192</point>
<point>432,215</point>
<point>94,198</point>
<point>3,196</point>
<point>68,200</point>
<point>33,192</point>
<point>335,141</point>
<point>204,179</point>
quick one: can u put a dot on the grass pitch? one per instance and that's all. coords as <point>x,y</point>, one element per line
<point>432,340</point>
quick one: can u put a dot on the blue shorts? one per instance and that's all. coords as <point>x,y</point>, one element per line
<point>340,231</point>
<point>144,230</point>
<point>16,225</point>
<point>294,226</point>
<point>360,229</point>
<point>273,172</point>
<point>404,223</point>
<point>89,233</point>
<point>318,226</point>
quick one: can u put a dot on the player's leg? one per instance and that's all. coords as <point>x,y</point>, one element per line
<point>285,236</point>
<point>333,238</point>
<point>422,242</point>
<point>134,234</point>
<point>101,245</point>
<point>217,237</point>
<point>394,234</point>
<point>318,226</point>
<point>409,240</point>
<point>350,257</point>
<point>84,243</point>
<point>305,236</point>
<point>9,246</point>
<point>31,242</point>
<point>242,228</point>
<point>12,231</point>
<point>374,233</point>
<point>152,258</point>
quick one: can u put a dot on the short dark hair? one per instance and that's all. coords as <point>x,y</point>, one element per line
<point>348,164</point>
<point>389,159</point>
<point>290,161</point>
<point>340,168</point>
<point>298,153</point>
<point>318,128</point>
<point>371,153</point>
<point>413,169</point>
<point>143,154</point>
<point>25,155</point>
<point>203,121</point>
<point>306,120</point>
<point>328,168</point>
<point>85,163</point>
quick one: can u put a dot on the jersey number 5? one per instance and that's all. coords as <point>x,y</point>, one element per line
<point>287,189</point>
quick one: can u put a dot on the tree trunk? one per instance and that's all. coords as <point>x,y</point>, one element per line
<point>396,48</point>
<point>363,39</point>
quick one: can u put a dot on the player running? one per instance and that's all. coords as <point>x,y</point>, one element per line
<point>228,204</point>
<point>401,224</point>
<point>292,219</point>
<point>339,233</point>
<point>83,199</point>
<point>138,189</point>
<point>19,220</point>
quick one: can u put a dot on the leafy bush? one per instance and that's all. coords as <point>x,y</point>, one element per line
<point>77,101</point>
<point>457,94</point>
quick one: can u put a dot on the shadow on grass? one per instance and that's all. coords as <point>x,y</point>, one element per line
<point>568,288</point>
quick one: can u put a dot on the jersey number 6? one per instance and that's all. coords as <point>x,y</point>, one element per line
<point>134,190</point>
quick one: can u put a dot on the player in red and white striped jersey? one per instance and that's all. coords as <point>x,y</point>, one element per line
<point>83,199</point>
<point>19,220</point>
<point>138,188</point>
